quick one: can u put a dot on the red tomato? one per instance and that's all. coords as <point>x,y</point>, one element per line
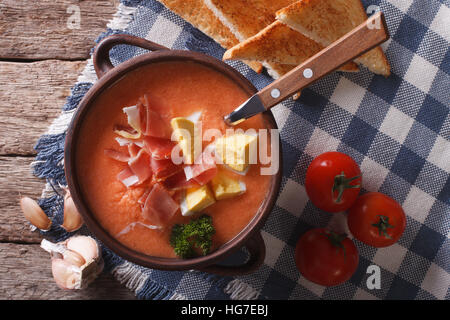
<point>333,181</point>
<point>376,220</point>
<point>326,258</point>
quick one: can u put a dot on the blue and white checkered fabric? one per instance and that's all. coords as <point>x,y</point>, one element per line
<point>397,129</point>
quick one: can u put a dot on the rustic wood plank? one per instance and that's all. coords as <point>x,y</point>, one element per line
<point>31,96</point>
<point>42,29</point>
<point>25,273</point>
<point>25,270</point>
<point>16,179</point>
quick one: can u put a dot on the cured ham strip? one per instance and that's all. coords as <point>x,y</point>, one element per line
<point>159,207</point>
<point>144,196</point>
<point>126,132</point>
<point>117,155</point>
<point>178,182</point>
<point>127,177</point>
<point>163,168</point>
<point>158,148</point>
<point>140,166</point>
<point>153,125</point>
<point>132,225</point>
<point>204,168</point>
<point>133,150</point>
<point>134,117</point>
<point>206,176</point>
<point>125,142</point>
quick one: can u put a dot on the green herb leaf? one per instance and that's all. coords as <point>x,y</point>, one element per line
<point>188,239</point>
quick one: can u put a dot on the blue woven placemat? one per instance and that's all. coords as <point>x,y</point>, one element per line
<point>397,129</point>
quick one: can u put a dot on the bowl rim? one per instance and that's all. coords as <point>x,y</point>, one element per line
<point>102,84</point>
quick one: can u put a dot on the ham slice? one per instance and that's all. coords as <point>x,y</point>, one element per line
<point>163,168</point>
<point>152,124</point>
<point>140,166</point>
<point>178,182</point>
<point>117,155</point>
<point>126,142</point>
<point>127,177</point>
<point>133,150</point>
<point>206,176</point>
<point>132,225</point>
<point>159,207</point>
<point>126,132</point>
<point>155,127</point>
<point>203,169</point>
<point>159,148</point>
<point>134,117</point>
<point>143,198</point>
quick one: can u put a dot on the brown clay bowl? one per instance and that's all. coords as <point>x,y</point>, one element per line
<point>249,237</point>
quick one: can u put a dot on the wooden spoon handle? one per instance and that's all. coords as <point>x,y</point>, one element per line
<point>368,35</point>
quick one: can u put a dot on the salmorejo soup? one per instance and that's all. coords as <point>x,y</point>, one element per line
<point>162,172</point>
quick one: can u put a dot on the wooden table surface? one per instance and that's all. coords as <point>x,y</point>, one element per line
<point>40,60</point>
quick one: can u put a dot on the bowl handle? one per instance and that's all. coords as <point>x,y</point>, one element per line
<point>257,252</point>
<point>102,62</point>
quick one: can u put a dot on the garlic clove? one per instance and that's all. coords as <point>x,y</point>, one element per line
<point>86,246</point>
<point>34,214</point>
<point>72,218</point>
<point>73,281</point>
<point>65,274</point>
<point>73,258</point>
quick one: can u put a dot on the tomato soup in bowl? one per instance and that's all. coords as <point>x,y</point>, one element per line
<point>148,162</point>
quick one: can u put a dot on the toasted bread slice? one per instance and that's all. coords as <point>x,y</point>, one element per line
<point>254,65</point>
<point>277,70</point>
<point>197,13</point>
<point>281,44</point>
<point>325,21</point>
<point>246,18</point>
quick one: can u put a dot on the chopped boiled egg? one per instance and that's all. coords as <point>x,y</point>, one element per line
<point>236,150</point>
<point>185,131</point>
<point>225,187</point>
<point>196,199</point>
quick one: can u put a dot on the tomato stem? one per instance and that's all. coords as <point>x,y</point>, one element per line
<point>336,240</point>
<point>341,183</point>
<point>383,225</point>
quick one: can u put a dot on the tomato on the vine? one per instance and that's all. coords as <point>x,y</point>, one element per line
<point>333,181</point>
<point>376,220</point>
<point>325,257</point>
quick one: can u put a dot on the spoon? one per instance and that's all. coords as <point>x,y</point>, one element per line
<point>363,38</point>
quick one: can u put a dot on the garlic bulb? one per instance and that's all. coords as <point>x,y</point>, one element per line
<point>34,214</point>
<point>76,262</point>
<point>72,218</point>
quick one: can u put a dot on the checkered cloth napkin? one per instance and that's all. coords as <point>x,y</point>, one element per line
<point>397,129</point>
